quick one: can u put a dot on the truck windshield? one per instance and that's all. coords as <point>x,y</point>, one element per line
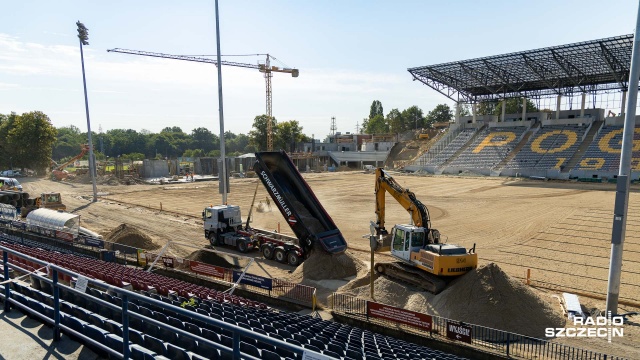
<point>207,213</point>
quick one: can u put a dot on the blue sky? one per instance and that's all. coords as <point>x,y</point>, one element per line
<point>349,53</point>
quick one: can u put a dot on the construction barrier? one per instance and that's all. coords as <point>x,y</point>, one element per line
<point>432,326</point>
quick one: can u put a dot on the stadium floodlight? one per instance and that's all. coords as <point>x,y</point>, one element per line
<point>83,36</point>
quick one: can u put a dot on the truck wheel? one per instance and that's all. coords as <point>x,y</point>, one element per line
<point>267,252</point>
<point>242,246</point>
<point>280,256</point>
<point>213,239</point>
<point>293,259</point>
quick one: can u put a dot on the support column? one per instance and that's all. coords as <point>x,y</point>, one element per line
<point>524,108</point>
<point>584,99</point>
<point>475,111</point>
<point>504,109</point>
<point>624,100</point>
<point>558,107</point>
<point>457,118</point>
<point>621,205</point>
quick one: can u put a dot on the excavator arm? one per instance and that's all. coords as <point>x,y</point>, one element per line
<point>407,199</point>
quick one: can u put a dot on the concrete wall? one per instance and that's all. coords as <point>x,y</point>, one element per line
<point>155,168</point>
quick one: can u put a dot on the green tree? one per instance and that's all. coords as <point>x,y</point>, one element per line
<point>441,113</point>
<point>238,144</point>
<point>69,142</point>
<point>289,133</point>
<point>31,140</point>
<point>395,121</point>
<point>413,118</point>
<point>258,136</point>
<point>376,125</point>
<point>376,109</point>
<point>202,138</point>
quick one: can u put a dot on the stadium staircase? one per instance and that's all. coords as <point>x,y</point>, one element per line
<point>521,144</point>
<point>461,150</point>
<point>595,127</point>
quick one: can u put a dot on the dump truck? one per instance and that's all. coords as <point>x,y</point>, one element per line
<point>223,226</point>
<point>304,213</point>
<point>296,202</point>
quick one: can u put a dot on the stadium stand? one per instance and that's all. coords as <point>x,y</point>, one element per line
<point>463,137</point>
<point>490,147</point>
<point>150,338</point>
<point>604,152</point>
<point>550,148</point>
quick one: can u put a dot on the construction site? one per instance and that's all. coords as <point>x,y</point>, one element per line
<point>492,235</point>
<point>535,240</point>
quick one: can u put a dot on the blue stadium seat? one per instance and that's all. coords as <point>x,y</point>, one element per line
<point>207,351</point>
<point>249,349</point>
<point>154,344</point>
<point>177,353</point>
<point>114,342</point>
<point>140,353</point>
<point>269,355</point>
<point>187,343</point>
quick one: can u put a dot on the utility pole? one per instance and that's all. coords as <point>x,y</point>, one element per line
<point>621,206</point>
<point>83,36</point>
<point>222,178</point>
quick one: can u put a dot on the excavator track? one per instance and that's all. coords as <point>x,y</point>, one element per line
<point>411,275</point>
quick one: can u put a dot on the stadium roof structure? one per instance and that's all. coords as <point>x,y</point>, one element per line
<point>590,66</point>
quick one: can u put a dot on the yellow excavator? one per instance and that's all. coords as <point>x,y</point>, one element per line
<point>423,260</point>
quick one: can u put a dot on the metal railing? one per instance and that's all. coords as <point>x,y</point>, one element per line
<point>56,321</point>
<point>83,245</point>
<point>499,341</point>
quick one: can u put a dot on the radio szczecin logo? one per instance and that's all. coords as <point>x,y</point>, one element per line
<point>602,327</point>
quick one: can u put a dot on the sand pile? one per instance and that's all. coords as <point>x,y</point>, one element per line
<point>486,296</point>
<point>490,297</point>
<point>211,258</point>
<point>323,266</point>
<point>130,236</point>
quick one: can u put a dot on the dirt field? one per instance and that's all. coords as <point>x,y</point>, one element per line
<point>561,231</point>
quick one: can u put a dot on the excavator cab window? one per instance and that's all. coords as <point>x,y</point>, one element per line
<point>398,240</point>
<point>417,240</point>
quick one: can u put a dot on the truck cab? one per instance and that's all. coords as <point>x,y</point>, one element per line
<point>221,226</point>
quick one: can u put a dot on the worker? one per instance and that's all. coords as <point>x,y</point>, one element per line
<point>268,203</point>
<point>192,177</point>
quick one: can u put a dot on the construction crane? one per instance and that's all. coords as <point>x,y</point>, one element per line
<point>265,68</point>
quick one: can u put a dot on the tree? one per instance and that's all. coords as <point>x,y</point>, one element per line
<point>376,109</point>
<point>202,138</point>
<point>376,125</point>
<point>239,143</point>
<point>441,113</point>
<point>31,140</point>
<point>69,141</point>
<point>289,133</point>
<point>258,136</point>
<point>413,118</point>
<point>394,121</point>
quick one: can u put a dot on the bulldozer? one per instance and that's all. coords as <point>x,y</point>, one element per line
<point>48,200</point>
<point>422,259</point>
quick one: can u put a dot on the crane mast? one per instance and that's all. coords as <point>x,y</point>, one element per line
<point>265,68</point>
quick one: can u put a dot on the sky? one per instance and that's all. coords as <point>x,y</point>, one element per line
<point>349,54</point>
